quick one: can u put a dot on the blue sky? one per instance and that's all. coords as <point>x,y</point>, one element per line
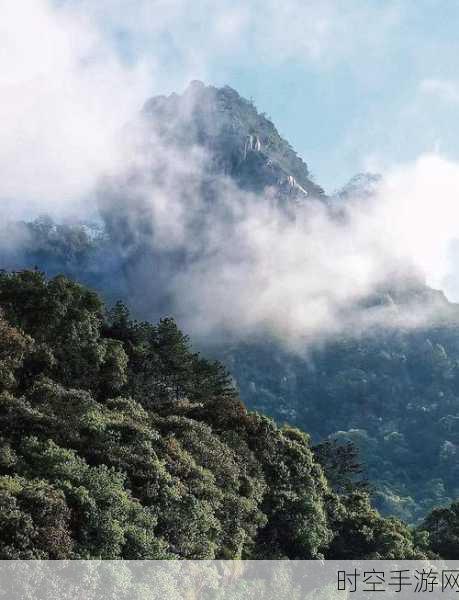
<point>352,85</point>
<point>386,106</point>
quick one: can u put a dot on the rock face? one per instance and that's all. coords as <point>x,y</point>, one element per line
<point>240,142</point>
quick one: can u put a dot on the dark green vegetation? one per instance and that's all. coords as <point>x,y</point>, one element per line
<point>118,441</point>
<point>395,395</point>
<point>442,526</point>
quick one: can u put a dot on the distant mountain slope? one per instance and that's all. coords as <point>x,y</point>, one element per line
<point>395,395</point>
<point>361,185</point>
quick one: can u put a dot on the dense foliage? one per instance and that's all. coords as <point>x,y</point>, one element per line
<point>395,395</point>
<point>117,440</point>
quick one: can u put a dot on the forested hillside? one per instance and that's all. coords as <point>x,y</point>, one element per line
<point>117,440</point>
<point>394,395</point>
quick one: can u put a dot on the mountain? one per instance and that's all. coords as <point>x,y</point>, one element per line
<point>393,391</point>
<point>241,143</point>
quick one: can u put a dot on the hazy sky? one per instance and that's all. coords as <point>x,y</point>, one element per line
<point>353,85</point>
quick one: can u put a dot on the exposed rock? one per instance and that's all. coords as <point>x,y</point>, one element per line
<point>240,142</point>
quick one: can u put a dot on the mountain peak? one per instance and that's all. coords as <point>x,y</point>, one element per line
<point>362,185</point>
<point>242,142</point>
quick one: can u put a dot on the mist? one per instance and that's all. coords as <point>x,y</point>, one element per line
<point>65,95</point>
<point>186,240</point>
<point>228,260</point>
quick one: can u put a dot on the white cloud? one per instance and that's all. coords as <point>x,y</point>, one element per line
<point>445,90</point>
<point>305,279</point>
<point>248,266</point>
<point>64,96</point>
<point>419,204</point>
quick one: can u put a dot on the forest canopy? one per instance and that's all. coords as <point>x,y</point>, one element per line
<point>117,440</point>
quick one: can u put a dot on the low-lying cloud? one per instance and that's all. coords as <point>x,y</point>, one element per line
<point>242,263</point>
